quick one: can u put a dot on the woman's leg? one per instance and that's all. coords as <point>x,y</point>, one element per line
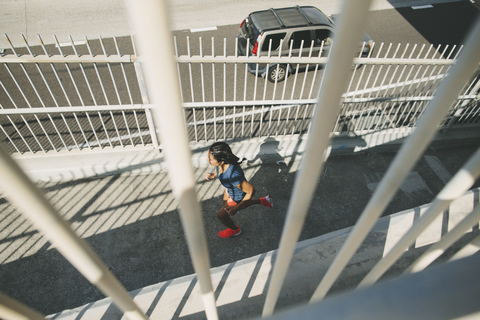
<point>224,217</point>
<point>251,202</point>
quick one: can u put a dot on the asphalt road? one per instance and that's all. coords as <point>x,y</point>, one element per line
<point>441,25</point>
<point>406,26</point>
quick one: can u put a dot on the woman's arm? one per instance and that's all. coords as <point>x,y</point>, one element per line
<point>246,187</point>
<point>210,176</point>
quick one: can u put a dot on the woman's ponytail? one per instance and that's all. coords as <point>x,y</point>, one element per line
<point>222,152</point>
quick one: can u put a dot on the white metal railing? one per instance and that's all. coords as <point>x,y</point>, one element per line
<point>165,98</point>
<point>73,97</point>
<point>92,95</point>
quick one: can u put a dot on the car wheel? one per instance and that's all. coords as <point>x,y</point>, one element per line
<point>278,73</point>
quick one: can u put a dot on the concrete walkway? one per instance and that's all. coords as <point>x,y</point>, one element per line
<point>241,286</point>
<point>127,213</point>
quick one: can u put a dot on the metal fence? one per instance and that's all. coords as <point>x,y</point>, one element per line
<point>90,94</point>
<point>165,97</point>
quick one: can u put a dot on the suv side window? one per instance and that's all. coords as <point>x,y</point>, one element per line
<point>276,38</point>
<point>304,35</point>
<point>323,35</point>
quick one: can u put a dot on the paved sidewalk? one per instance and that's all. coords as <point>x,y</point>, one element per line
<point>130,219</point>
<point>241,286</point>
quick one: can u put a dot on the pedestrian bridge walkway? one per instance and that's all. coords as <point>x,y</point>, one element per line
<point>240,286</point>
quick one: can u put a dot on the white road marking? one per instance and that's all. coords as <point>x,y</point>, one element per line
<point>438,168</point>
<point>203,29</point>
<point>69,44</point>
<point>422,7</point>
<point>414,183</point>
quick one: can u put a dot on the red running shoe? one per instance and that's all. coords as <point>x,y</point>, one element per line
<point>267,201</point>
<point>225,234</point>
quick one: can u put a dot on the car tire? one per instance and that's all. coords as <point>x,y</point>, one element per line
<point>277,72</point>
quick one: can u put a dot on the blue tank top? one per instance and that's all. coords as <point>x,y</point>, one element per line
<point>230,179</point>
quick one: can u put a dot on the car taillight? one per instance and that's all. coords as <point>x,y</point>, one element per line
<point>255,48</point>
<point>241,24</point>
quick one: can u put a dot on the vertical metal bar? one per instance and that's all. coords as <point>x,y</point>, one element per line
<point>311,88</point>
<point>413,107</point>
<point>235,80</point>
<point>276,82</point>
<point>103,90</point>
<point>255,96</point>
<point>179,77</point>
<point>89,89</point>
<point>383,115</point>
<point>27,45</point>
<point>23,194</point>
<point>46,85</point>
<point>24,120</point>
<point>265,90</point>
<point>224,89</point>
<point>10,43</point>
<point>52,95</point>
<point>390,84</point>
<point>151,20</point>
<point>458,185</point>
<point>278,68</point>
<point>460,112</point>
<point>20,134</point>
<point>191,89</point>
<point>30,106</point>
<point>69,103</point>
<point>366,121</point>
<point>10,139</point>
<point>358,106</point>
<point>66,95</point>
<point>78,94</point>
<point>145,101</point>
<point>190,69</point>
<point>378,109</point>
<point>244,99</point>
<point>128,91</point>
<point>293,88</point>
<point>214,92</point>
<point>406,158</point>
<point>43,104</point>
<point>203,89</point>
<point>400,112</point>
<point>43,45</point>
<point>178,64</point>
<point>303,87</point>
<point>116,91</point>
<point>352,20</point>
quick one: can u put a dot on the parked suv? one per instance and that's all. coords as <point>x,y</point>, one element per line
<point>295,24</point>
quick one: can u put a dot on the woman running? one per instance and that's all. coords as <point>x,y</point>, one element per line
<point>238,191</point>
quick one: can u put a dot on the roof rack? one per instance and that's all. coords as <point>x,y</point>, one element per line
<point>278,18</point>
<point>304,14</point>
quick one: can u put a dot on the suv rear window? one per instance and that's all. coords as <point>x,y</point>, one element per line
<point>250,30</point>
<point>276,38</point>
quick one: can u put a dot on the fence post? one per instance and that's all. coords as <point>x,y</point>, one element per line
<point>148,112</point>
<point>458,114</point>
